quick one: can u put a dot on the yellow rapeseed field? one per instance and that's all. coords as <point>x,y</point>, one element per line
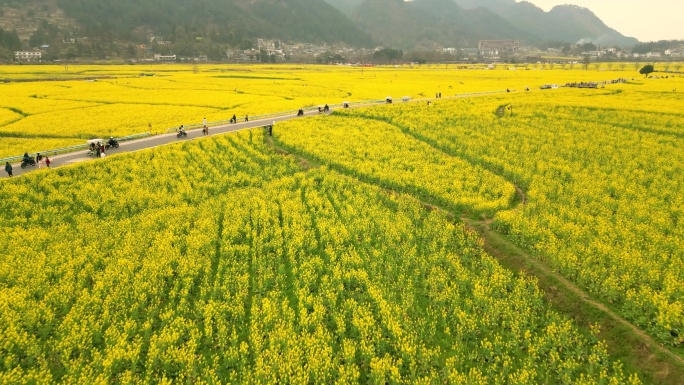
<point>601,171</point>
<point>333,250</point>
<point>126,103</point>
<point>145,268</point>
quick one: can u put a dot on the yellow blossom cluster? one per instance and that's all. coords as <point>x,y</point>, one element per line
<point>601,173</point>
<point>222,261</point>
<point>122,102</point>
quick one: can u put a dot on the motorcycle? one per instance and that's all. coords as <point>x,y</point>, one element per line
<point>28,162</point>
<point>181,134</point>
<point>111,144</point>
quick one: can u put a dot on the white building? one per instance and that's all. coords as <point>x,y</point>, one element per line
<point>165,58</point>
<point>653,54</point>
<point>28,56</point>
<point>498,46</point>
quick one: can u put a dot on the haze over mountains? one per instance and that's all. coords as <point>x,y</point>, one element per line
<point>425,23</point>
<point>407,25</point>
<point>563,22</point>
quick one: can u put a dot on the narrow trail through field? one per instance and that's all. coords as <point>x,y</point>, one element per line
<point>655,363</point>
<point>638,350</point>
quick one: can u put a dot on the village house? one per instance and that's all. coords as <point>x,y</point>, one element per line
<point>28,56</point>
<point>165,58</point>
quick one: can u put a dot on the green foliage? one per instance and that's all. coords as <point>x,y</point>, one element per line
<point>647,70</point>
<point>654,46</point>
<point>9,40</point>
<point>388,55</point>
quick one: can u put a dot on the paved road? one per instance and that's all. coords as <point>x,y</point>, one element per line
<point>152,141</point>
<point>159,140</point>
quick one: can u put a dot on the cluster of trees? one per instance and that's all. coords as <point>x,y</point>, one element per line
<point>657,46</point>
<point>388,55</point>
<point>9,42</point>
<point>383,56</point>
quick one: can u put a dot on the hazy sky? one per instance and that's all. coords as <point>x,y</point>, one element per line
<point>645,20</point>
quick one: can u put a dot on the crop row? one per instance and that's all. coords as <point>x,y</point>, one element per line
<point>603,186</point>
<point>221,261</point>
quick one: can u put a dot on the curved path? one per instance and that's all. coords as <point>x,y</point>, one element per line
<point>152,141</point>
<point>661,364</point>
<point>655,362</point>
<point>159,140</point>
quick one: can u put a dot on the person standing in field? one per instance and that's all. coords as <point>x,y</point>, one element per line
<point>246,118</point>
<point>8,169</point>
<point>39,160</point>
<point>234,118</point>
<point>47,162</point>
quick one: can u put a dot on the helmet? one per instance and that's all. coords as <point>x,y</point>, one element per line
<point>111,137</point>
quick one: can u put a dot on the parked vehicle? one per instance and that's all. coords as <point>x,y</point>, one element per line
<point>28,162</point>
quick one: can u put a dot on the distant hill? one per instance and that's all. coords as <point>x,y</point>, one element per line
<point>564,22</point>
<point>427,24</point>
<point>211,26</point>
<point>229,21</point>
<point>346,6</point>
<point>493,5</point>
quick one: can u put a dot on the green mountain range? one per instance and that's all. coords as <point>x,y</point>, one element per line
<point>564,22</point>
<point>225,21</point>
<point>407,25</point>
<point>424,23</point>
<point>428,24</point>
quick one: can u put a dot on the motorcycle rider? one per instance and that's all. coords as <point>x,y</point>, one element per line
<point>112,142</point>
<point>181,131</point>
<point>27,159</point>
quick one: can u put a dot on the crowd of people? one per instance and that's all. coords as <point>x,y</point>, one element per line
<point>98,149</point>
<point>27,160</point>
